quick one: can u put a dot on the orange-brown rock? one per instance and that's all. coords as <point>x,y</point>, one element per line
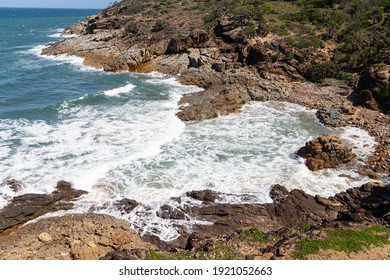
<point>79,237</point>
<point>326,151</point>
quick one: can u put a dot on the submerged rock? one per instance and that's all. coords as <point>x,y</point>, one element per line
<point>205,195</point>
<point>126,205</point>
<point>326,151</point>
<point>15,185</point>
<point>169,212</point>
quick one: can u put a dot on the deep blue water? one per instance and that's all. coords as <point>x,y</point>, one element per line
<point>30,86</point>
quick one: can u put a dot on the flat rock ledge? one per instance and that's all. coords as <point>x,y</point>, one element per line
<point>72,237</point>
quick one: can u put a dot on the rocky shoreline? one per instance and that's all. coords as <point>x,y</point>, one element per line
<point>232,70</point>
<point>291,217</point>
<point>232,73</point>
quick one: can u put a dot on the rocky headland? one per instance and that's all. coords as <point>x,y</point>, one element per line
<point>236,60</point>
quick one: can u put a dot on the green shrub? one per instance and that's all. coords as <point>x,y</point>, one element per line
<point>303,41</point>
<point>153,255</point>
<point>385,91</point>
<point>318,72</point>
<point>274,58</point>
<point>131,28</point>
<point>304,226</point>
<point>249,31</point>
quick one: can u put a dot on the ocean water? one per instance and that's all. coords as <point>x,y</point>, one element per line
<point>117,136</point>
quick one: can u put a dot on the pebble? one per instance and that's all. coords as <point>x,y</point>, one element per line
<point>45,237</point>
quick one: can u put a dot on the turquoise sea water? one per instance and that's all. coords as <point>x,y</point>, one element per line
<point>116,135</point>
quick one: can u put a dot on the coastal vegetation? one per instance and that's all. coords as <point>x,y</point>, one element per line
<point>335,39</point>
<point>345,240</point>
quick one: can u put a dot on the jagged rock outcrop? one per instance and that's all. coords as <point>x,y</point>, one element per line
<point>373,88</point>
<point>126,205</point>
<point>93,236</point>
<point>368,202</point>
<point>326,151</point>
<point>337,115</point>
<point>121,39</point>
<point>289,210</point>
<point>227,92</point>
<point>27,207</point>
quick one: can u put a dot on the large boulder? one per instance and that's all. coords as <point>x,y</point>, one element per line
<point>367,100</point>
<point>331,117</point>
<point>326,151</point>
<point>256,53</point>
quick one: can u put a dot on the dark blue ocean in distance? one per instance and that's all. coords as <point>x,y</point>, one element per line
<point>29,87</point>
<point>116,135</point>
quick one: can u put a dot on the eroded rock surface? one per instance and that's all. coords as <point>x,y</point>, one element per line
<point>27,207</point>
<point>93,236</point>
<point>81,237</point>
<point>326,151</point>
<point>290,210</point>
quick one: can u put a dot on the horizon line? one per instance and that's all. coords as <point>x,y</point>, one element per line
<point>51,8</point>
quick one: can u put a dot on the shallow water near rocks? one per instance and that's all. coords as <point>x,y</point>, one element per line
<point>117,136</point>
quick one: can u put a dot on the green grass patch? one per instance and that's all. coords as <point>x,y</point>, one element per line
<point>344,240</point>
<point>153,255</point>
<point>304,226</point>
<point>184,256</point>
<point>304,41</point>
<point>283,8</point>
<point>225,252</point>
<point>253,235</point>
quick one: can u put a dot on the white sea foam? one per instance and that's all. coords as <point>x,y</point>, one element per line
<point>238,154</point>
<point>156,75</point>
<point>168,81</point>
<point>55,35</point>
<point>61,58</point>
<point>87,142</point>
<point>118,91</point>
<point>361,142</point>
<point>37,50</point>
<point>60,34</point>
<point>70,59</point>
<point>142,151</point>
